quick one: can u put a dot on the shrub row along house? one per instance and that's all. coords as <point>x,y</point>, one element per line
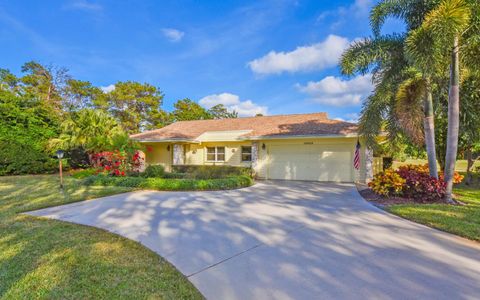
<point>289,147</point>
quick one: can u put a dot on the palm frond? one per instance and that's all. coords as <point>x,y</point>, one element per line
<point>422,50</point>
<point>385,9</point>
<point>448,19</point>
<point>411,12</point>
<point>369,54</point>
<point>408,108</point>
<point>373,113</point>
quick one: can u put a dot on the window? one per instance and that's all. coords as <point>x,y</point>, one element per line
<point>246,153</point>
<point>215,153</point>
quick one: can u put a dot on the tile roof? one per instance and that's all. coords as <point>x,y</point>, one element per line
<point>264,126</point>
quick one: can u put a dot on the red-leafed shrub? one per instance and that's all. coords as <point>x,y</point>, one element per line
<point>116,163</point>
<point>411,181</point>
<point>419,185</point>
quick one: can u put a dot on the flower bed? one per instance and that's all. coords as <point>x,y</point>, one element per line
<point>411,182</point>
<point>166,184</point>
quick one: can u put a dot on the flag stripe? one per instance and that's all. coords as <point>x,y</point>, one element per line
<point>356,159</point>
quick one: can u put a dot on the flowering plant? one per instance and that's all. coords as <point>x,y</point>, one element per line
<point>116,163</point>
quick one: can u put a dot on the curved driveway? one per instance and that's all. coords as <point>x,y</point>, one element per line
<point>288,240</point>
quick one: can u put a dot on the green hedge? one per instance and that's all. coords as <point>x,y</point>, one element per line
<point>164,184</point>
<point>211,172</point>
<point>80,174</point>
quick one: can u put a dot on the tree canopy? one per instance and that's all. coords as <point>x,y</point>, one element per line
<point>45,108</point>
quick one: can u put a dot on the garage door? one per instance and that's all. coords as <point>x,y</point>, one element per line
<point>311,162</point>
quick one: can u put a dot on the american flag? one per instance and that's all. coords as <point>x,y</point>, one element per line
<point>356,159</point>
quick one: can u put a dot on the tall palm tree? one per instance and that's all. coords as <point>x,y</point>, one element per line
<point>440,34</point>
<point>385,56</point>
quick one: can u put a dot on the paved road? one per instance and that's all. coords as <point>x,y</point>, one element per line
<point>288,240</point>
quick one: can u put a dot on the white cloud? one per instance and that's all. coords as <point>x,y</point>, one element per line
<point>306,58</point>
<point>232,103</point>
<point>172,34</point>
<point>345,15</point>
<point>362,6</point>
<point>335,91</point>
<point>108,88</point>
<point>84,5</point>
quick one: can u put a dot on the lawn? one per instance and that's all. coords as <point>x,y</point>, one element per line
<point>49,259</point>
<point>460,166</point>
<point>463,220</point>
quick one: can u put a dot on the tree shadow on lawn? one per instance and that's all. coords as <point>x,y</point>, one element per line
<point>53,259</point>
<point>42,258</point>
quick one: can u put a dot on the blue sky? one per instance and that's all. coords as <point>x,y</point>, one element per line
<point>274,57</point>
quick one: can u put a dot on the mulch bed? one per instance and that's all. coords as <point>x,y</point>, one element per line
<point>381,201</point>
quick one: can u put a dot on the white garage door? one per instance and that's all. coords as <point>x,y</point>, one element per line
<point>311,162</point>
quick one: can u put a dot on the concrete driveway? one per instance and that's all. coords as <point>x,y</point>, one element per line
<point>288,240</point>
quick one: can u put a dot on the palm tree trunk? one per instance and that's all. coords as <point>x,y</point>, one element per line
<point>429,128</point>
<point>453,120</point>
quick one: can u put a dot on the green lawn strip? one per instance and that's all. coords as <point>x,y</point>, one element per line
<point>463,220</point>
<point>47,259</point>
<point>164,184</point>
<point>460,165</point>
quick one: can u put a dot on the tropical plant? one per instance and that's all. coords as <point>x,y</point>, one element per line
<point>92,130</point>
<point>387,183</point>
<point>442,32</point>
<point>401,87</point>
<point>412,182</point>
<point>419,185</point>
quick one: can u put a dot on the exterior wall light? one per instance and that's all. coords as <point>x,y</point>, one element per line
<point>263,146</point>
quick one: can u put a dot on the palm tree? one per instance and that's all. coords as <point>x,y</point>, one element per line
<point>399,82</point>
<point>89,129</point>
<point>440,34</point>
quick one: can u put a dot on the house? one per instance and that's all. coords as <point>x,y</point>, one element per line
<point>290,147</point>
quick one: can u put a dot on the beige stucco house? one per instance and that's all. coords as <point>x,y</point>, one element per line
<point>289,147</point>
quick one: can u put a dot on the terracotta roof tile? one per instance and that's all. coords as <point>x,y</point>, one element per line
<point>280,125</point>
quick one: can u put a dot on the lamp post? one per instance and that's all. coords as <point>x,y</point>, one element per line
<point>60,156</point>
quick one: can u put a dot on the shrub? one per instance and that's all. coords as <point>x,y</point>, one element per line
<point>83,173</point>
<point>411,181</point>
<point>457,177</point>
<point>22,158</point>
<point>26,125</point>
<point>419,185</point>
<point>387,183</point>
<point>211,172</point>
<point>78,158</point>
<point>171,184</point>
<point>154,171</point>
<point>174,175</point>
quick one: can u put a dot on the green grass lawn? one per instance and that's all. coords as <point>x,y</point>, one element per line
<point>463,220</point>
<point>460,166</point>
<point>47,259</point>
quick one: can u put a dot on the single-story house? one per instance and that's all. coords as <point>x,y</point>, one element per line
<point>289,147</point>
